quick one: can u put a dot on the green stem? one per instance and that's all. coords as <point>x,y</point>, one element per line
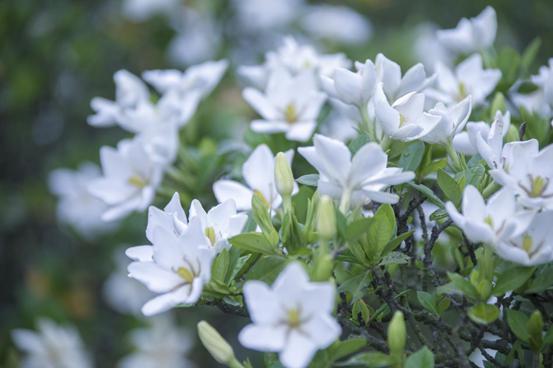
<point>456,161</point>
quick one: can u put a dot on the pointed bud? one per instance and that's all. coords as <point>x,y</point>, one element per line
<point>217,346</point>
<point>326,219</point>
<point>284,178</point>
<point>397,334</point>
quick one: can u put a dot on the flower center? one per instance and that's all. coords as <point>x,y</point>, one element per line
<point>185,274</point>
<point>462,91</point>
<point>537,188</point>
<point>402,120</point>
<point>137,181</point>
<point>489,221</point>
<point>527,243</point>
<point>294,318</point>
<point>210,233</point>
<point>290,113</point>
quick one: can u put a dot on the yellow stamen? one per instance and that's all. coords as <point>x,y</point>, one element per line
<point>462,91</point>
<point>527,243</point>
<point>185,274</point>
<point>489,221</point>
<point>537,186</point>
<point>137,181</point>
<point>402,120</point>
<point>294,318</point>
<point>290,114</point>
<point>210,233</point>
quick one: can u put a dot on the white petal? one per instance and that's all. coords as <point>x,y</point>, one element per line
<point>263,338</point>
<point>228,189</point>
<point>298,352</point>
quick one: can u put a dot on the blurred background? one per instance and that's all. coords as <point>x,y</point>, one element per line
<point>57,55</point>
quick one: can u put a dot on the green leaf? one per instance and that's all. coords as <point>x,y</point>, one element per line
<point>428,301</point>
<point>548,338</point>
<point>543,280</point>
<point>267,268</point>
<point>394,258</point>
<point>355,284</point>
<point>357,228</point>
<point>423,358</point>
<point>463,286</point>
<point>529,55</point>
<point>373,359</point>
<point>342,349</point>
<point>511,279</point>
<point>382,228</point>
<point>483,313</point>
<point>412,156</point>
<point>428,193</point>
<point>253,242</point>
<point>262,216</point>
<point>518,323</point>
<point>395,242</point>
<point>309,179</point>
<point>449,186</point>
<point>220,266</point>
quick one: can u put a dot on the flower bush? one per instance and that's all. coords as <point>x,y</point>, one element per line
<point>368,216</point>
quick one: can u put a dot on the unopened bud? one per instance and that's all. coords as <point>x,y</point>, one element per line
<point>326,219</point>
<point>217,346</point>
<point>397,334</point>
<point>284,178</point>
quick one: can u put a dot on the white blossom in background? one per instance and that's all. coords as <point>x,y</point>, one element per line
<point>528,172</point>
<point>141,10</point>
<point>404,119</point>
<point>534,246</point>
<point>51,346</point>
<point>356,180</point>
<point>162,344</point>
<point>123,294</point>
<point>497,220</point>
<point>539,101</point>
<point>471,35</point>
<point>453,120</point>
<point>427,48</point>
<point>468,78</point>
<point>336,23</point>
<point>77,206</point>
<point>339,126</point>
<point>484,139</point>
<point>295,58</point>
<point>176,267</point>
<point>266,15</point>
<point>292,317</point>
<point>129,181</point>
<point>130,93</point>
<point>258,173</point>
<point>290,105</point>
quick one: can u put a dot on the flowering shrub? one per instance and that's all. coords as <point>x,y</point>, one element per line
<point>370,216</point>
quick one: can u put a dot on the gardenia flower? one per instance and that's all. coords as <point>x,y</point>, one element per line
<point>469,78</point>
<point>266,15</point>
<point>528,172</point>
<point>480,136</point>
<point>491,222</point>
<point>53,346</point>
<point>405,119</point>
<point>141,10</point>
<point>77,206</point>
<point>290,105</point>
<point>161,344</point>
<point>534,246</point>
<point>471,35</point>
<point>354,180</point>
<point>129,180</point>
<point>175,266</point>
<point>453,120</point>
<point>428,49</point>
<point>539,101</point>
<point>130,93</point>
<point>259,175</point>
<point>291,317</point>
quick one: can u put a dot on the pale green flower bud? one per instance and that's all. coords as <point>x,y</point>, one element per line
<point>397,334</point>
<point>217,346</point>
<point>284,178</point>
<point>326,219</point>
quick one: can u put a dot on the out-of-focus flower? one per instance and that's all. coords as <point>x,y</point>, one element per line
<point>292,317</point>
<point>175,266</point>
<point>352,88</point>
<point>528,172</point>
<point>467,142</point>
<point>539,101</point>
<point>217,346</point>
<point>428,50</point>
<point>405,119</point>
<point>290,105</point>
<point>259,175</point>
<point>453,120</point>
<point>339,125</point>
<point>499,219</point>
<point>266,15</point>
<point>129,180</point>
<point>354,180</point>
<point>162,344</point>
<point>468,78</point>
<point>77,206</point>
<point>471,35</point>
<point>52,346</point>
<point>141,10</point>
<point>534,246</point>
<point>124,294</point>
<point>336,23</point>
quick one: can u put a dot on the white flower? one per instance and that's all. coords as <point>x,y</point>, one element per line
<point>130,93</point>
<point>265,15</point>
<point>53,346</point>
<point>292,317</point>
<point>291,105</point>
<point>162,344</point>
<point>469,78</point>
<point>453,120</point>
<point>428,50</point>
<point>539,101</point>
<point>129,181</point>
<point>359,179</point>
<point>484,139</point>
<point>77,206</point>
<point>140,10</point>
<point>490,222</point>
<point>339,126</point>
<point>528,172</point>
<point>122,293</point>
<point>470,35</point>
<point>405,119</point>
<point>336,23</point>
<point>353,88</point>
<point>534,246</point>
<point>259,175</point>
<point>175,266</point>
